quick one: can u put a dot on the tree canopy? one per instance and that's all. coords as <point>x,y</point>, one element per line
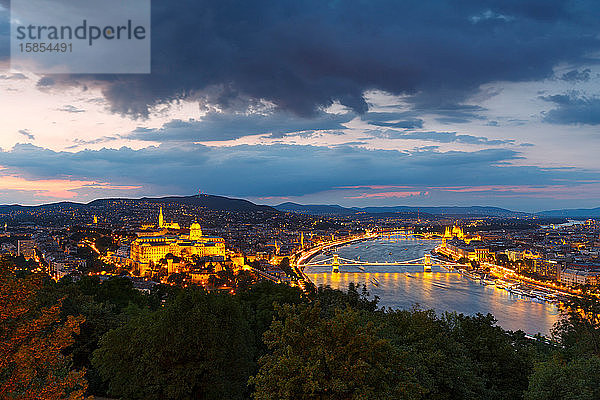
<point>199,346</point>
<point>32,340</point>
<point>273,341</point>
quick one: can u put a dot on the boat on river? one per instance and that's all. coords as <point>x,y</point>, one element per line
<point>516,291</point>
<point>439,285</point>
<point>471,275</point>
<point>501,284</point>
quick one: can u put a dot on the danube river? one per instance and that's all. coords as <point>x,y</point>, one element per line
<point>404,286</point>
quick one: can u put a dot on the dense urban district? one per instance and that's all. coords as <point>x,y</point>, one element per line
<point>204,297</point>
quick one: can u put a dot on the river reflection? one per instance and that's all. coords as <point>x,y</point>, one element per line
<point>404,286</point>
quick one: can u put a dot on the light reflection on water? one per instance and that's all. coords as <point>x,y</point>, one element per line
<point>404,286</point>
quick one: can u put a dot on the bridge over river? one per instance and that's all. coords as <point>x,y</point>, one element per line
<point>335,262</point>
<point>397,271</point>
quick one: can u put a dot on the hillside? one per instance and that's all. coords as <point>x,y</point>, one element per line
<point>573,213</point>
<point>315,209</point>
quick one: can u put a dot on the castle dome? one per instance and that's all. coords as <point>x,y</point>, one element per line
<point>195,231</point>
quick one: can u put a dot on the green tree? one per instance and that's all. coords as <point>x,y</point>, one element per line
<point>557,379</point>
<point>578,331</point>
<point>104,306</point>
<point>261,300</point>
<point>116,290</point>
<point>285,266</point>
<point>341,357</point>
<point>503,360</point>
<point>331,299</point>
<point>199,346</point>
<point>176,278</point>
<point>99,319</point>
<point>105,243</point>
<point>442,365</point>
<point>244,279</point>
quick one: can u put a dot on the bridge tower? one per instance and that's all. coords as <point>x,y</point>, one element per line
<point>427,263</point>
<point>335,265</point>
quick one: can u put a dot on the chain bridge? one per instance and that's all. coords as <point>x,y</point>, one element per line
<point>335,262</point>
<point>394,235</point>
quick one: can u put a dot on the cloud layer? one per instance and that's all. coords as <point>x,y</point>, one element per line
<point>409,99</point>
<point>279,170</point>
<point>303,55</point>
<point>573,108</point>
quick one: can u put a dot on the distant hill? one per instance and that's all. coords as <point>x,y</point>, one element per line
<point>572,213</point>
<point>205,200</point>
<point>453,210</point>
<point>437,211</point>
<point>208,201</point>
<point>225,203</point>
<point>5,209</point>
<point>315,209</point>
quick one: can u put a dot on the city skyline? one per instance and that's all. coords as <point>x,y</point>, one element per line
<point>300,199</point>
<point>477,103</point>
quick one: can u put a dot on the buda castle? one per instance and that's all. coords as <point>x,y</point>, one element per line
<point>151,246</point>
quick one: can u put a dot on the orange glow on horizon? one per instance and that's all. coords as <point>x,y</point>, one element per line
<point>57,188</point>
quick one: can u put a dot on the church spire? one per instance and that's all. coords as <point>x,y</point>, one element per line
<point>161,220</point>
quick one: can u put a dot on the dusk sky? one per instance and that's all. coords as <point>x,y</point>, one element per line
<point>350,102</point>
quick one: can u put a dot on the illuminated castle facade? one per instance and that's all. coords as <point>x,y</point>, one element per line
<point>153,247</point>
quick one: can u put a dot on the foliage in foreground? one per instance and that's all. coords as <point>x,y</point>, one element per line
<point>32,340</point>
<point>573,370</point>
<point>273,342</point>
<point>341,357</point>
<point>197,347</point>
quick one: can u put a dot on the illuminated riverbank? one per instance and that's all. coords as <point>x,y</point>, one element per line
<point>442,290</point>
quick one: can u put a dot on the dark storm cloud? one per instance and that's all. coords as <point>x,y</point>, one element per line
<point>399,120</point>
<point>573,108</point>
<point>577,75</point>
<point>302,55</point>
<point>27,134</point>
<point>216,126</point>
<point>407,124</point>
<point>440,137</point>
<point>278,169</point>
<point>78,143</point>
<point>457,113</point>
<point>71,109</point>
